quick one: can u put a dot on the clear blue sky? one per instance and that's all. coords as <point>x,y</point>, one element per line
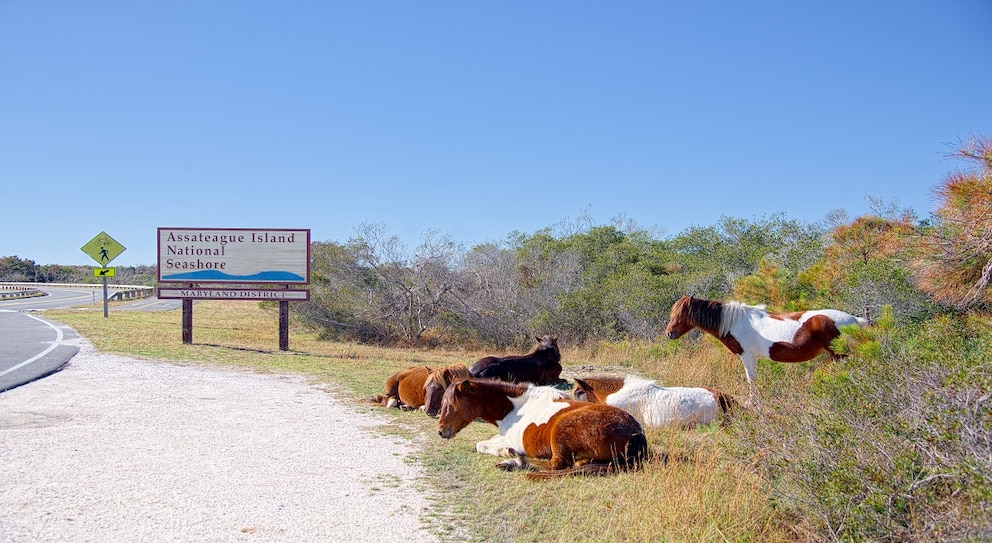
<point>475,119</point>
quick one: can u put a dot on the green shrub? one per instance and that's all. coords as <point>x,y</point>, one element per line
<point>891,444</point>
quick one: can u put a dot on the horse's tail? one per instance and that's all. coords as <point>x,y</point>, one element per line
<point>636,453</point>
<point>633,457</point>
<point>592,468</point>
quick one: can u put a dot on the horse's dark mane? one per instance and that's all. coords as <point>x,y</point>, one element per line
<point>605,377</point>
<point>707,314</point>
<point>506,387</point>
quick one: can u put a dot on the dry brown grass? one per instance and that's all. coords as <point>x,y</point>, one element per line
<point>693,489</point>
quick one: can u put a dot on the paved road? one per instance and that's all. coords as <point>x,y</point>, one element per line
<point>32,347</point>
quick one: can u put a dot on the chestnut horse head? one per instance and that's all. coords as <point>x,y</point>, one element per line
<point>596,388</point>
<point>688,313</point>
<point>436,383</point>
<point>470,399</point>
<point>575,437</point>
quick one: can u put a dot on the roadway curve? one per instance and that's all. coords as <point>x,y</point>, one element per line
<point>33,347</point>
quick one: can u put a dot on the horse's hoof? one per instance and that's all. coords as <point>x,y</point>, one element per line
<point>507,465</point>
<point>513,464</point>
<point>393,402</point>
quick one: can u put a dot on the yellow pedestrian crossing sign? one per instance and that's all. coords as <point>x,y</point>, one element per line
<point>104,272</point>
<point>103,248</point>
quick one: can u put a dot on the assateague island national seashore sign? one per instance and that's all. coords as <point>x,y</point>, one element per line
<point>234,264</point>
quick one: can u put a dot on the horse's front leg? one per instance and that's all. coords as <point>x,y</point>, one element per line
<point>498,445</point>
<point>751,372</point>
<point>750,367</point>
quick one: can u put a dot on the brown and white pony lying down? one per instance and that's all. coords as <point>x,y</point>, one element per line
<point>575,437</point>
<point>653,405</point>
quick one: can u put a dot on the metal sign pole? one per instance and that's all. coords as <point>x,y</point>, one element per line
<point>105,297</point>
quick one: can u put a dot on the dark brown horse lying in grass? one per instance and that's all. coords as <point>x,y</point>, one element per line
<point>541,367</point>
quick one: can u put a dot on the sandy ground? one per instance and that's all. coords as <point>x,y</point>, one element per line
<point>116,449</point>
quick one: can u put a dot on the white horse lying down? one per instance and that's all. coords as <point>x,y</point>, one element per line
<point>653,405</point>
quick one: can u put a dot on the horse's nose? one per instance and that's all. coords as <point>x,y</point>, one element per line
<point>673,334</point>
<point>444,432</point>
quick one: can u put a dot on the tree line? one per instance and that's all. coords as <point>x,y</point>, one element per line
<point>16,269</point>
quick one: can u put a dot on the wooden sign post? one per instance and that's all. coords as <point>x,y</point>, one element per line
<point>251,263</point>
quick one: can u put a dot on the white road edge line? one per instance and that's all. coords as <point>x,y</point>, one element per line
<point>58,341</point>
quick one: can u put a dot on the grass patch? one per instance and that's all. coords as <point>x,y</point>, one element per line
<point>692,490</point>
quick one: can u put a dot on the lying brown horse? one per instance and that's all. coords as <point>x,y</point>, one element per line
<point>541,367</point>
<point>437,381</point>
<point>404,389</point>
<point>577,437</point>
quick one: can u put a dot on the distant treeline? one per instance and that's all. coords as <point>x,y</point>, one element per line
<point>17,269</point>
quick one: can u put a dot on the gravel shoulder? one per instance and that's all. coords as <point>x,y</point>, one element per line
<point>117,449</point>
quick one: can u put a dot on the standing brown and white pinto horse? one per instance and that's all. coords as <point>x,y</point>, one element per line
<point>577,437</point>
<point>404,389</point>
<point>751,332</point>
<point>437,381</point>
<point>653,405</point>
<point>541,367</point>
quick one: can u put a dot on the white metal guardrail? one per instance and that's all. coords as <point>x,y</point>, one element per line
<point>15,289</point>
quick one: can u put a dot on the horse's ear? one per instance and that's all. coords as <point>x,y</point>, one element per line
<point>462,386</point>
<point>581,383</point>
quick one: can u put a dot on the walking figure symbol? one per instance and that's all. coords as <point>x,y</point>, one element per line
<point>103,254</point>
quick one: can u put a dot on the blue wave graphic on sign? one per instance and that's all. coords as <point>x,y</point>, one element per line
<point>214,275</point>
